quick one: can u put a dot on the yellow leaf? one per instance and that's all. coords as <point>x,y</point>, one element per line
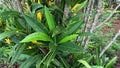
<point>39,2</point>
<point>29,47</point>
<point>0,22</point>
<point>50,2</point>
<point>17,31</point>
<point>7,29</point>
<point>39,15</point>
<point>27,6</point>
<point>75,6</point>
<point>8,41</point>
<point>35,42</point>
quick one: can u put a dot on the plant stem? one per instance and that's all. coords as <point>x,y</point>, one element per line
<point>110,43</point>
<point>94,22</point>
<point>19,5</point>
<point>87,10</point>
<point>107,17</point>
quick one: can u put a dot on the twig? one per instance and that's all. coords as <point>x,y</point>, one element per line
<point>107,17</point>
<point>110,43</point>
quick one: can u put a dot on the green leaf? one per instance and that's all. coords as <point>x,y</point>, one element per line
<point>16,52</point>
<point>85,63</point>
<point>36,36</point>
<point>58,63</point>
<point>36,6</point>
<point>68,38</point>
<point>49,19</point>
<point>97,66</point>
<point>85,34</point>
<point>64,61</point>
<point>6,34</point>
<point>32,22</point>
<point>29,62</point>
<point>21,22</point>
<point>8,14</point>
<point>50,58</point>
<point>73,27</point>
<point>38,62</point>
<point>82,5</point>
<point>111,62</point>
<point>70,48</point>
<point>78,17</point>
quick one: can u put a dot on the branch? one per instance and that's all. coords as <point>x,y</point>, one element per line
<point>66,11</point>
<point>87,10</point>
<point>94,22</point>
<point>110,43</point>
<point>107,17</point>
<point>19,5</point>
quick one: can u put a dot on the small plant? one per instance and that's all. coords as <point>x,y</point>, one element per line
<point>54,33</point>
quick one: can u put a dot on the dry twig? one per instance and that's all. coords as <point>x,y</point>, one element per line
<point>108,18</point>
<point>110,43</point>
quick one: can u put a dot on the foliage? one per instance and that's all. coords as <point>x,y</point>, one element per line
<point>43,36</point>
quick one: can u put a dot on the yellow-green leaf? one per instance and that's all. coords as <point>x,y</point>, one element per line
<point>85,63</point>
<point>49,19</point>
<point>68,38</point>
<point>36,36</point>
<point>111,62</point>
<point>6,34</point>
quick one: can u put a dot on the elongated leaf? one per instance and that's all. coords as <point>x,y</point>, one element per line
<point>58,63</point>
<point>39,64</point>
<point>97,66</point>
<point>50,58</point>
<point>38,61</point>
<point>16,53</point>
<point>70,48</point>
<point>73,27</point>
<point>85,34</point>
<point>68,38</point>
<point>78,17</point>
<point>31,21</point>
<point>8,14</point>
<point>29,62</point>
<point>49,19</point>
<point>21,22</point>
<point>36,6</point>
<point>85,63</point>
<point>73,2</point>
<point>64,62</point>
<point>6,34</point>
<point>111,62</point>
<point>36,36</point>
<point>82,5</point>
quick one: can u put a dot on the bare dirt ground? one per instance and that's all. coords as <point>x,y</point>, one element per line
<point>3,65</point>
<point>115,27</point>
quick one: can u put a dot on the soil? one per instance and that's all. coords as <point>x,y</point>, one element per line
<point>115,27</point>
<point>3,65</point>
